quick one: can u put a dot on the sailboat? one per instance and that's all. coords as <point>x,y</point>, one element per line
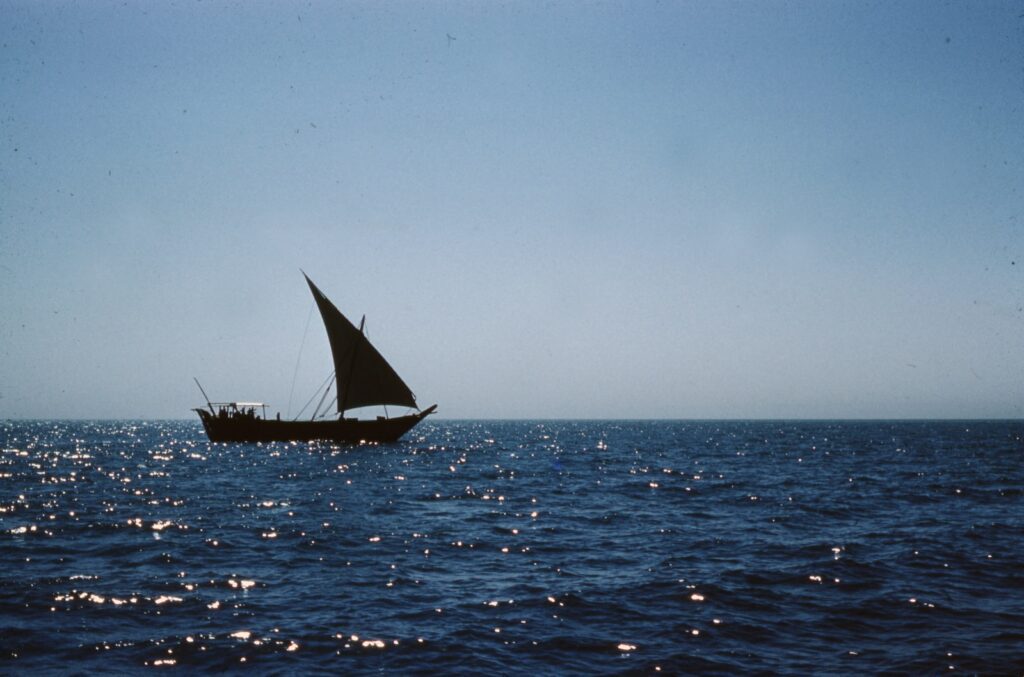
<point>363,378</point>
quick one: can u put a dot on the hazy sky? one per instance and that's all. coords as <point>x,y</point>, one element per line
<point>557,209</point>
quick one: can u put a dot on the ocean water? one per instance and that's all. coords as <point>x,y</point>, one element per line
<point>597,547</point>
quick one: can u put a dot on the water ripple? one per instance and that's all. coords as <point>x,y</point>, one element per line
<point>556,546</point>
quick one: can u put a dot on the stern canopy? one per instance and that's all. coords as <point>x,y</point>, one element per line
<point>364,377</point>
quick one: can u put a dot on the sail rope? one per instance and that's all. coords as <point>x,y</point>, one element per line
<point>320,403</point>
<point>298,359</point>
<point>326,412</point>
<point>315,393</point>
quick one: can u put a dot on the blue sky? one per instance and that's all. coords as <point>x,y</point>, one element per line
<point>684,210</point>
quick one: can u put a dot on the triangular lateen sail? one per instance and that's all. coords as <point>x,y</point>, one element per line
<point>364,377</point>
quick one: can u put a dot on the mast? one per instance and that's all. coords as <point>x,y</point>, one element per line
<point>355,351</point>
<point>204,396</point>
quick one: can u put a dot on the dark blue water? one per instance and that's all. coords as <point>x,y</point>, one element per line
<point>516,547</point>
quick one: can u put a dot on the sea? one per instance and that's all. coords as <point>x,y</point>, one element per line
<point>516,547</point>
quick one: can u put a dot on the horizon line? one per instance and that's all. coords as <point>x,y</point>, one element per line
<point>569,418</point>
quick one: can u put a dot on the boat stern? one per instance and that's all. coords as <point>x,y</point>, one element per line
<point>205,417</point>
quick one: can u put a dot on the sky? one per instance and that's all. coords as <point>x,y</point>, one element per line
<point>544,209</point>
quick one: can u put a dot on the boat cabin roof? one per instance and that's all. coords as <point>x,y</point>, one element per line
<point>238,405</point>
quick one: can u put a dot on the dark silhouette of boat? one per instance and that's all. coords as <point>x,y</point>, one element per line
<point>363,378</point>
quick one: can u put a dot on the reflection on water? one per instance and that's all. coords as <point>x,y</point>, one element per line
<point>568,546</point>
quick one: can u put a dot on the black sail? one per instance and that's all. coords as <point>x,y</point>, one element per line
<point>364,377</point>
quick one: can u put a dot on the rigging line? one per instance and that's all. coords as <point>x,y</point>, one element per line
<point>320,403</point>
<point>327,410</point>
<point>315,393</point>
<point>299,358</point>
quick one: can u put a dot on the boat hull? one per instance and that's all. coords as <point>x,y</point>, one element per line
<point>248,429</point>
